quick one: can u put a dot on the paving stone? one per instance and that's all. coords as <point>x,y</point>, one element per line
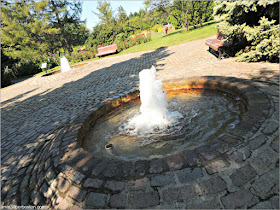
<point>275,144</point>
<point>118,201</point>
<point>140,168</point>
<point>12,191</point>
<point>144,200</point>
<point>240,155</point>
<point>36,198</point>
<point>95,183</point>
<point>211,186</point>
<point>60,203</point>
<point>175,162</point>
<point>257,141</point>
<point>156,166</point>
<point>264,159</point>
<point>178,193</point>
<point>114,185</point>
<point>96,200</point>
<point>272,203</point>
<point>50,175</point>
<point>206,152</point>
<point>216,166</point>
<point>187,175</point>
<point>220,147</point>
<point>77,177</point>
<point>271,127</point>
<point>201,204</point>
<point>162,180</point>
<point>236,199</point>
<point>24,200</point>
<point>191,158</point>
<point>24,183</point>
<point>99,168</point>
<point>243,175</point>
<point>62,184</point>
<point>112,170</point>
<point>138,184</point>
<point>77,193</point>
<point>267,184</point>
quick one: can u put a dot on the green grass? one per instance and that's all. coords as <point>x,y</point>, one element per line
<point>175,37</point>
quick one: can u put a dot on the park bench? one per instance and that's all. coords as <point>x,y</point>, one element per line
<point>217,45</point>
<point>107,50</point>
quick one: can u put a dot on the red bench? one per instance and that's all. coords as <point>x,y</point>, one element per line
<point>217,45</point>
<point>107,50</point>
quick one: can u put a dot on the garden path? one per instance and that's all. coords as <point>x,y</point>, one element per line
<point>37,112</point>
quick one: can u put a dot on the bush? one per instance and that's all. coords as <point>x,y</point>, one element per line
<point>259,43</point>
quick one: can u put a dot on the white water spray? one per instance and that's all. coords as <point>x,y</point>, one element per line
<point>64,64</point>
<point>154,112</point>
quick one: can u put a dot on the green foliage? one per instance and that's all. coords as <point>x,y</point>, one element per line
<point>252,28</point>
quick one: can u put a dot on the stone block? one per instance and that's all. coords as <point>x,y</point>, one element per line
<point>156,166</point>
<point>271,127</point>
<point>76,193</point>
<point>96,200</point>
<point>216,166</point>
<point>114,185</point>
<point>191,158</point>
<point>211,186</point>
<point>272,203</point>
<point>243,175</point>
<point>175,162</point>
<point>267,184</point>
<point>240,155</point>
<point>237,199</point>
<point>257,141</point>
<point>60,203</point>
<point>264,159</point>
<point>118,201</point>
<point>77,177</point>
<point>162,180</point>
<point>95,183</point>
<point>144,200</point>
<point>187,175</point>
<point>206,152</point>
<point>178,194</point>
<point>112,170</point>
<point>275,144</point>
<point>139,184</point>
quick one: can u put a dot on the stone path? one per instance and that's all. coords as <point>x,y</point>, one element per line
<point>42,165</point>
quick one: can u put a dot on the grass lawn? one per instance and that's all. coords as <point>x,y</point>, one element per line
<point>175,37</point>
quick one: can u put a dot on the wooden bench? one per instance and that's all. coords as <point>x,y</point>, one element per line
<point>107,50</point>
<point>217,45</point>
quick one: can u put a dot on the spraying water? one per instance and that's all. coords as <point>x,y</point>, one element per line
<point>64,64</point>
<point>154,114</point>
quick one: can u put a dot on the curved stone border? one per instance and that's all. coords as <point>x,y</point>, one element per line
<point>105,179</point>
<point>256,102</point>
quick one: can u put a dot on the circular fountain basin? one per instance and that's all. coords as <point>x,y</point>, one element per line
<point>207,114</point>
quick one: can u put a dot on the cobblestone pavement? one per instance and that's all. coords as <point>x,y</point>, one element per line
<point>42,165</point>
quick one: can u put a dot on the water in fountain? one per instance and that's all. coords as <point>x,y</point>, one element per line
<point>64,64</point>
<point>154,114</point>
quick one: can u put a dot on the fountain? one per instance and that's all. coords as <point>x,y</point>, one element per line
<point>64,64</point>
<point>154,111</point>
<point>185,116</point>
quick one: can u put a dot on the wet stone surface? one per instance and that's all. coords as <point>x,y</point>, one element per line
<point>43,164</point>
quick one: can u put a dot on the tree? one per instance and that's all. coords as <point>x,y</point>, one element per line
<point>253,29</point>
<point>121,16</point>
<point>25,32</point>
<point>62,13</point>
